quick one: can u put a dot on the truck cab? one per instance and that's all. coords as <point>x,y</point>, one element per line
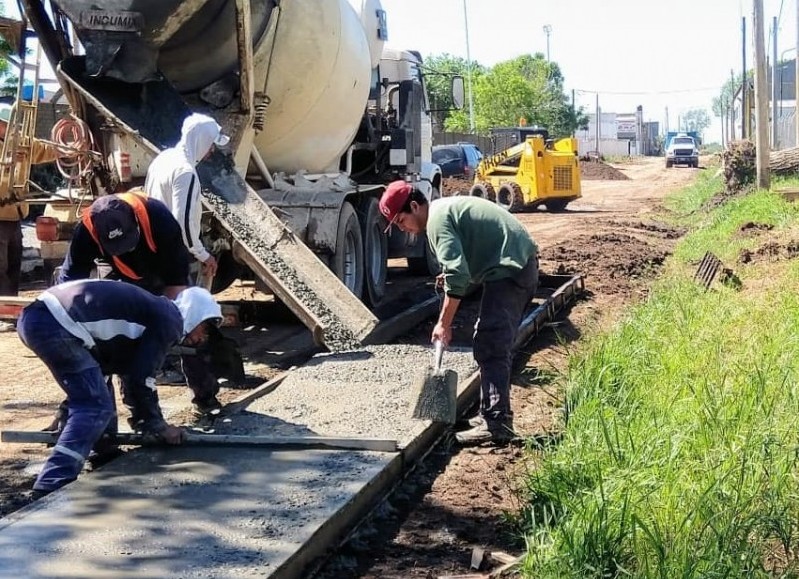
<point>682,149</point>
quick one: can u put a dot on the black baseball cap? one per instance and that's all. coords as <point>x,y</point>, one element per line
<point>115,225</point>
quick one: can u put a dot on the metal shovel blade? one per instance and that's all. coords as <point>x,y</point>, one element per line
<point>435,394</point>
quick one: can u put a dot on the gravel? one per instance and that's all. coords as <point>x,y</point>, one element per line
<point>253,228</point>
<point>367,393</point>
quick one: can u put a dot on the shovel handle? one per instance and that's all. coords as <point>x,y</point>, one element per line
<point>438,354</point>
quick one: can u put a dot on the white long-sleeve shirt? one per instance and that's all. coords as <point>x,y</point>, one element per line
<point>173,180</point>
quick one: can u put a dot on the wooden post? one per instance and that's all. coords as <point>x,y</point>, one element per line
<point>761,98</point>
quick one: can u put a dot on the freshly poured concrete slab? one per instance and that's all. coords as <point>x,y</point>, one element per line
<point>185,512</point>
<point>234,512</point>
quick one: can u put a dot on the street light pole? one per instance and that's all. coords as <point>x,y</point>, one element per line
<point>547,31</point>
<point>469,69</point>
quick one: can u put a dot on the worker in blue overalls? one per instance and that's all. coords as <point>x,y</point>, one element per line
<point>83,330</point>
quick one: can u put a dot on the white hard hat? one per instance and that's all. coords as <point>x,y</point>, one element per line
<point>197,305</point>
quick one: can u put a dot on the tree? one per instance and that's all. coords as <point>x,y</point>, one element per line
<point>525,90</point>
<point>695,120</point>
<point>438,73</point>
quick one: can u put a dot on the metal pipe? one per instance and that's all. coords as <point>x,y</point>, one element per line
<point>261,165</point>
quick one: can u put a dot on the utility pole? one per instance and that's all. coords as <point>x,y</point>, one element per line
<point>796,85</point>
<point>732,105</point>
<point>744,109</point>
<point>574,116</point>
<point>547,31</point>
<point>469,69</point>
<point>774,119</point>
<point>598,123</point>
<point>761,99</point>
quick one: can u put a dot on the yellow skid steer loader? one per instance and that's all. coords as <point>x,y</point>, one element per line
<point>534,171</point>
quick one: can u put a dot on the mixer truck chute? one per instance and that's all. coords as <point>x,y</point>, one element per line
<point>320,113</point>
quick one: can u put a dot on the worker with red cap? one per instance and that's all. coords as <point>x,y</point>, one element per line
<point>476,242</point>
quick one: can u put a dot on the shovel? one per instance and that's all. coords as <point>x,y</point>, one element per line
<point>435,391</point>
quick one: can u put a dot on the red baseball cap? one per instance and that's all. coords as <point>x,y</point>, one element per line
<point>394,198</point>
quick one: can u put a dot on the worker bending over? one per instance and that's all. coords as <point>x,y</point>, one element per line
<point>82,330</point>
<point>172,179</point>
<point>476,242</point>
<point>143,245</point>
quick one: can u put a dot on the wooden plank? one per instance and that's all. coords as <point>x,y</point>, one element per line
<point>198,439</point>
<point>245,399</point>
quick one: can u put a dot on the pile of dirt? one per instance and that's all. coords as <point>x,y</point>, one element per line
<point>596,170</point>
<point>739,165</point>
<point>609,261</point>
<point>751,229</point>
<point>455,186</point>
<point>770,251</point>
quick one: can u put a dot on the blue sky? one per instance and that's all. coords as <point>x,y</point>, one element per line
<point>656,53</point>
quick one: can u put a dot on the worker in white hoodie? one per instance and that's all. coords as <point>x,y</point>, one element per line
<point>172,179</point>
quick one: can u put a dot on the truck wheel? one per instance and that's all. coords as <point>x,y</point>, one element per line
<point>668,164</point>
<point>484,190</point>
<point>348,260</point>
<point>510,197</point>
<point>375,248</point>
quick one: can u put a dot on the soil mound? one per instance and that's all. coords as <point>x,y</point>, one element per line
<point>595,170</point>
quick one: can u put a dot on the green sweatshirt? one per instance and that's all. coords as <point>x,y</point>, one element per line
<point>476,241</point>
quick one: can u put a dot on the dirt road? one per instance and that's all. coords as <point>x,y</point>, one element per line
<point>457,501</point>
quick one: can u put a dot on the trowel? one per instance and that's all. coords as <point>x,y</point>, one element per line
<point>435,392</point>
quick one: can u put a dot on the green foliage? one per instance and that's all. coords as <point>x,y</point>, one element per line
<point>438,73</point>
<point>527,89</point>
<point>681,448</point>
<point>695,120</point>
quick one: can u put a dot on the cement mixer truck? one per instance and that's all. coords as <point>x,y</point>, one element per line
<point>321,115</point>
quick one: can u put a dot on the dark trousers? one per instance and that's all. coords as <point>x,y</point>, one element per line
<point>90,404</point>
<point>199,377</point>
<point>501,309</point>
<point>10,257</point>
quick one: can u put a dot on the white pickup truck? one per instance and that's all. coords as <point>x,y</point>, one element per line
<point>682,150</point>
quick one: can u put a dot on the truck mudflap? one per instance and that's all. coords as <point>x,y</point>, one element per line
<point>152,115</point>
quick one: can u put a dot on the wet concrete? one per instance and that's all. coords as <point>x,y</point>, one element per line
<point>234,512</point>
<point>189,512</point>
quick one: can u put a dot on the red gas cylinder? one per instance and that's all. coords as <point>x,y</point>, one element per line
<point>46,228</point>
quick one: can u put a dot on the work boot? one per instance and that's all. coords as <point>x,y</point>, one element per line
<point>497,432</point>
<point>208,408</point>
<point>170,378</point>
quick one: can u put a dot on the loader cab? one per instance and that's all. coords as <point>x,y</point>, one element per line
<point>506,137</point>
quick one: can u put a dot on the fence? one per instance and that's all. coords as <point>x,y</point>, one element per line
<point>494,144</point>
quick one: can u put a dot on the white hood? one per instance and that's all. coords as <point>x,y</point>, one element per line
<point>198,134</point>
<point>196,305</point>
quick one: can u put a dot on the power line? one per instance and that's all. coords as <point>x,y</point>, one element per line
<point>646,93</point>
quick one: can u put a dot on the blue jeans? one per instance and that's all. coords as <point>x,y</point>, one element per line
<point>501,309</point>
<point>90,404</point>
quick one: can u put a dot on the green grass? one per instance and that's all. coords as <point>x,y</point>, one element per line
<point>680,454</point>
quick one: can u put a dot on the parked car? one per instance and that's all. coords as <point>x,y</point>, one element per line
<point>458,160</point>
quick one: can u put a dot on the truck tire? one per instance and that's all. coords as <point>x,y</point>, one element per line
<point>668,164</point>
<point>348,263</point>
<point>484,190</point>
<point>510,197</point>
<point>375,252</point>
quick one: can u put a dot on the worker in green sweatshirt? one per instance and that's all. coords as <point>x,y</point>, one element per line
<point>475,242</point>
